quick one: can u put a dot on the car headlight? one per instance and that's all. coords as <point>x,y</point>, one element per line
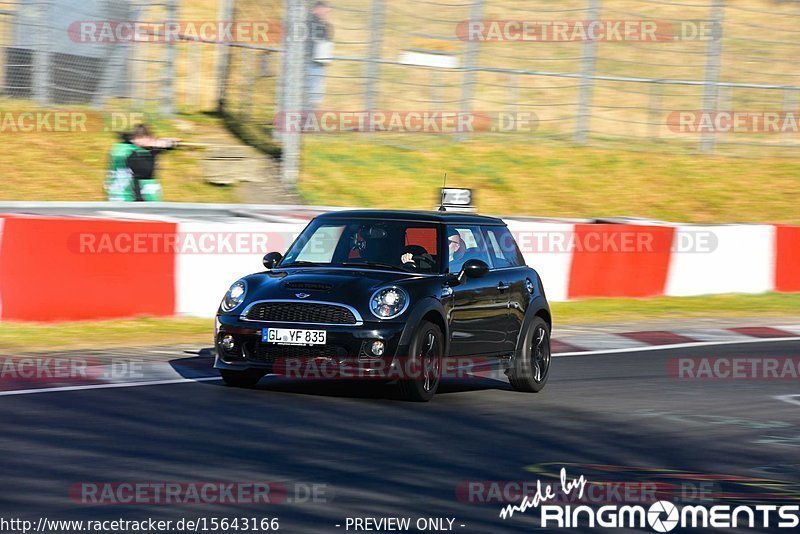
<point>389,302</point>
<point>235,296</point>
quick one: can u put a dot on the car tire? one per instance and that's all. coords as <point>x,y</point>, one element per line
<point>240,379</point>
<point>426,354</point>
<point>531,366</point>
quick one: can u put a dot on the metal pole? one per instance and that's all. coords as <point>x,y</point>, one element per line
<point>713,59</point>
<point>294,74</point>
<point>588,65</point>
<point>373,73</point>
<point>42,56</point>
<point>226,13</point>
<point>471,54</point>
<point>168,75</point>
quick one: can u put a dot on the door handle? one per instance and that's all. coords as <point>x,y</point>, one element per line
<point>502,286</point>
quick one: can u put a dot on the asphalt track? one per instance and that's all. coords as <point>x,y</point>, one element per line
<point>375,456</point>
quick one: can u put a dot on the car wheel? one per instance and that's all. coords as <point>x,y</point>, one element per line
<point>424,363</point>
<point>241,379</point>
<point>531,367</point>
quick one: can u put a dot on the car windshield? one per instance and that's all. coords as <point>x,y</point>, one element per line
<point>390,245</point>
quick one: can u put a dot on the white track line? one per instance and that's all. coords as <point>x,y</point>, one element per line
<point>677,346</point>
<point>791,399</point>
<point>107,386</point>
<point>561,355</point>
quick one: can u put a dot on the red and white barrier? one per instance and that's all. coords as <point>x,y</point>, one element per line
<point>66,269</point>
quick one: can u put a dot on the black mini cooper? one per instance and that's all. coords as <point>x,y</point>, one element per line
<point>393,295</point>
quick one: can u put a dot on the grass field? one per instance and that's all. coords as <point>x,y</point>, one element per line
<point>553,180</point>
<point>26,337</point>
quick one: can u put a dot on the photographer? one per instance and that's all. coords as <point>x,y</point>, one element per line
<point>131,176</point>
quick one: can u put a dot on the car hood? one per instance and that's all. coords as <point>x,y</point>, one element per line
<point>353,287</point>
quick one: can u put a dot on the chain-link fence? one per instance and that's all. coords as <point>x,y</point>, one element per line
<point>57,52</point>
<point>689,76</point>
<point>665,75</point>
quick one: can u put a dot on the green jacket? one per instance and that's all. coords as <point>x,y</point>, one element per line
<point>120,185</point>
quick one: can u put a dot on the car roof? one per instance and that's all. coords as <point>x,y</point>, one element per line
<point>448,217</point>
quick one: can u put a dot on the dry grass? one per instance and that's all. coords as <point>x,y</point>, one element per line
<point>553,180</point>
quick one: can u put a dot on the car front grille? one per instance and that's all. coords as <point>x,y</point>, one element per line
<point>301,312</point>
<point>261,352</point>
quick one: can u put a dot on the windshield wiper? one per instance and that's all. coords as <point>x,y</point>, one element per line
<point>376,265</point>
<point>300,264</point>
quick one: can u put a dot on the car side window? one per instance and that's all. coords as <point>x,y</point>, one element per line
<point>466,243</point>
<point>503,247</point>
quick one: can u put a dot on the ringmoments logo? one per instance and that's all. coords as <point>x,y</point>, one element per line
<point>661,516</point>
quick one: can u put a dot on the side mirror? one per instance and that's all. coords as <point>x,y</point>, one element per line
<point>473,269</point>
<point>272,259</point>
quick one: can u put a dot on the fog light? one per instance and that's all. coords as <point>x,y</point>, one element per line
<point>378,348</point>
<point>228,343</point>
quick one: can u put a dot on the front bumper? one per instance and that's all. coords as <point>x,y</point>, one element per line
<point>346,354</point>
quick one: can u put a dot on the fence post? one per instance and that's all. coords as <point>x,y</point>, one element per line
<point>168,74</point>
<point>588,64</point>
<point>713,59</point>
<point>470,61</point>
<point>294,75</point>
<point>42,55</point>
<point>376,22</point>
<point>226,14</point>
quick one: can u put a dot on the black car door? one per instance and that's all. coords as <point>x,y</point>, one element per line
<point>479,316</point>
<point>510,266</point>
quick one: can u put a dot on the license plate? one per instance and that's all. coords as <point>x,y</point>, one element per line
<point>283,336</point>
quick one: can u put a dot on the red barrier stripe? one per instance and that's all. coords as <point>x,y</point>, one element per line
<point>45,275</point>
<point>787,264</point>
<point>658,338</point>
<point>762,332</point>
<point>620,260</point>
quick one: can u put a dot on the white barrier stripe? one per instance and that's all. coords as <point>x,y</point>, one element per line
<point>739,259</point>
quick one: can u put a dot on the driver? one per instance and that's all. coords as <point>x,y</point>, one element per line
<point>458,248</point>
